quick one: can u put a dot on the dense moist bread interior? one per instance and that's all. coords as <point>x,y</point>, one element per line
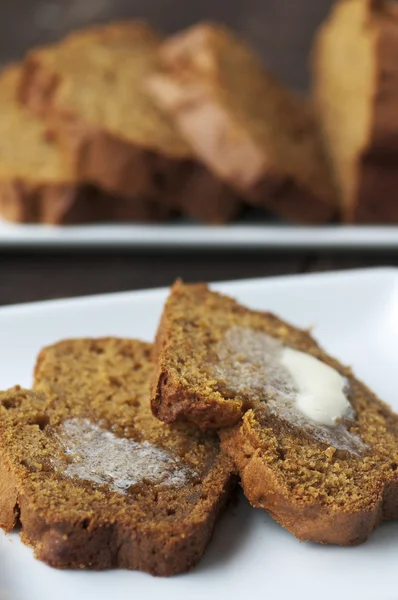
<point>93,394</point>
<point>98,77</point>
<point>26,150</point>
<point>310,471</point>
<point>191,337</point>
<point>345,56</point>
<point>214,352</point>
<point>218,68</point>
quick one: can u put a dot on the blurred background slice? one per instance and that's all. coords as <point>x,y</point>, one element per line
<point>270,25</point>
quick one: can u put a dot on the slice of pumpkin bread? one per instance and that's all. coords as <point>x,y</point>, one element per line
<point>95,480</point>
<point>35,184</point>
<point>252,133</point>
<point>89,89</point>
<point>313,445</point>
<point>355,81</point>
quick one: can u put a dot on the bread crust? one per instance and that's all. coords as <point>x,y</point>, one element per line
<point>69,203</point>
<point>310,523</point>
<point>110,543</point>
<point>171,399</point>
<point>9,510</point>
<point>374,197</point>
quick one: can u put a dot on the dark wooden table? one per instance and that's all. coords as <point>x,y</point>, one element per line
<point>24,278</point>
<point>281,30</point>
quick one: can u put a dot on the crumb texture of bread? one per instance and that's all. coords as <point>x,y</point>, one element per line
<point>247,128</point>
<point>98,482</point>
<point>330,484</point>
<point>355,80</point>
<point>193,323</point>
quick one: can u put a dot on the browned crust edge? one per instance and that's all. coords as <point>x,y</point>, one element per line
<point>314,523</point>
<point>23,202</point>
<point>285,197</point>
<point>170,403</point>
<point>69,203</point>
<point>376,198</point>
<point>8,497</point>
<point>84,544</point>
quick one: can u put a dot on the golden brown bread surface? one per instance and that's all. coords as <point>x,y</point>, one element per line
<point>96,74</point>
<point>329,484</point>
<point>89,89</point>
<point>95,479</point>
<point>247,128</point>
<point>193,322</point>
<point>355,79</point>
<point>35,183</point>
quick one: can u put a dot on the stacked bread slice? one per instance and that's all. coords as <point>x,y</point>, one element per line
<point>251,131</point>
<point>89,89</point>
<point>36,185</point>
<point>196,125</point>
<point>193,125</point>
<point>355,80</point>
<point>104,151</point>
<point>123,454</point>
<point>312,444</point>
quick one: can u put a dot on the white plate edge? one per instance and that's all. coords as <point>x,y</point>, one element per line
<point>224,286</point>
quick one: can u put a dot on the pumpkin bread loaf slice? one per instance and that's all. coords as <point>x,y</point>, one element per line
<point>95,480</point>
<point>312,444</point>
<point>355,75</point>
<point>89,89</point>
<point>35,184</point>
<point>248,129</point>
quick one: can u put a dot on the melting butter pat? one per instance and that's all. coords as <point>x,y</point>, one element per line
<point>320,389</point>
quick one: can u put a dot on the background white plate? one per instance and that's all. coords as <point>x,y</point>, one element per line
<point>355,316</point>
<point>192,236</point>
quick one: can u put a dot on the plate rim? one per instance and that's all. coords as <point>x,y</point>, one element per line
<point>198,237</point>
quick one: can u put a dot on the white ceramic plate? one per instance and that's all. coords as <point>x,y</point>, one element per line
<point>192,236</point>
<point>355,316</point>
